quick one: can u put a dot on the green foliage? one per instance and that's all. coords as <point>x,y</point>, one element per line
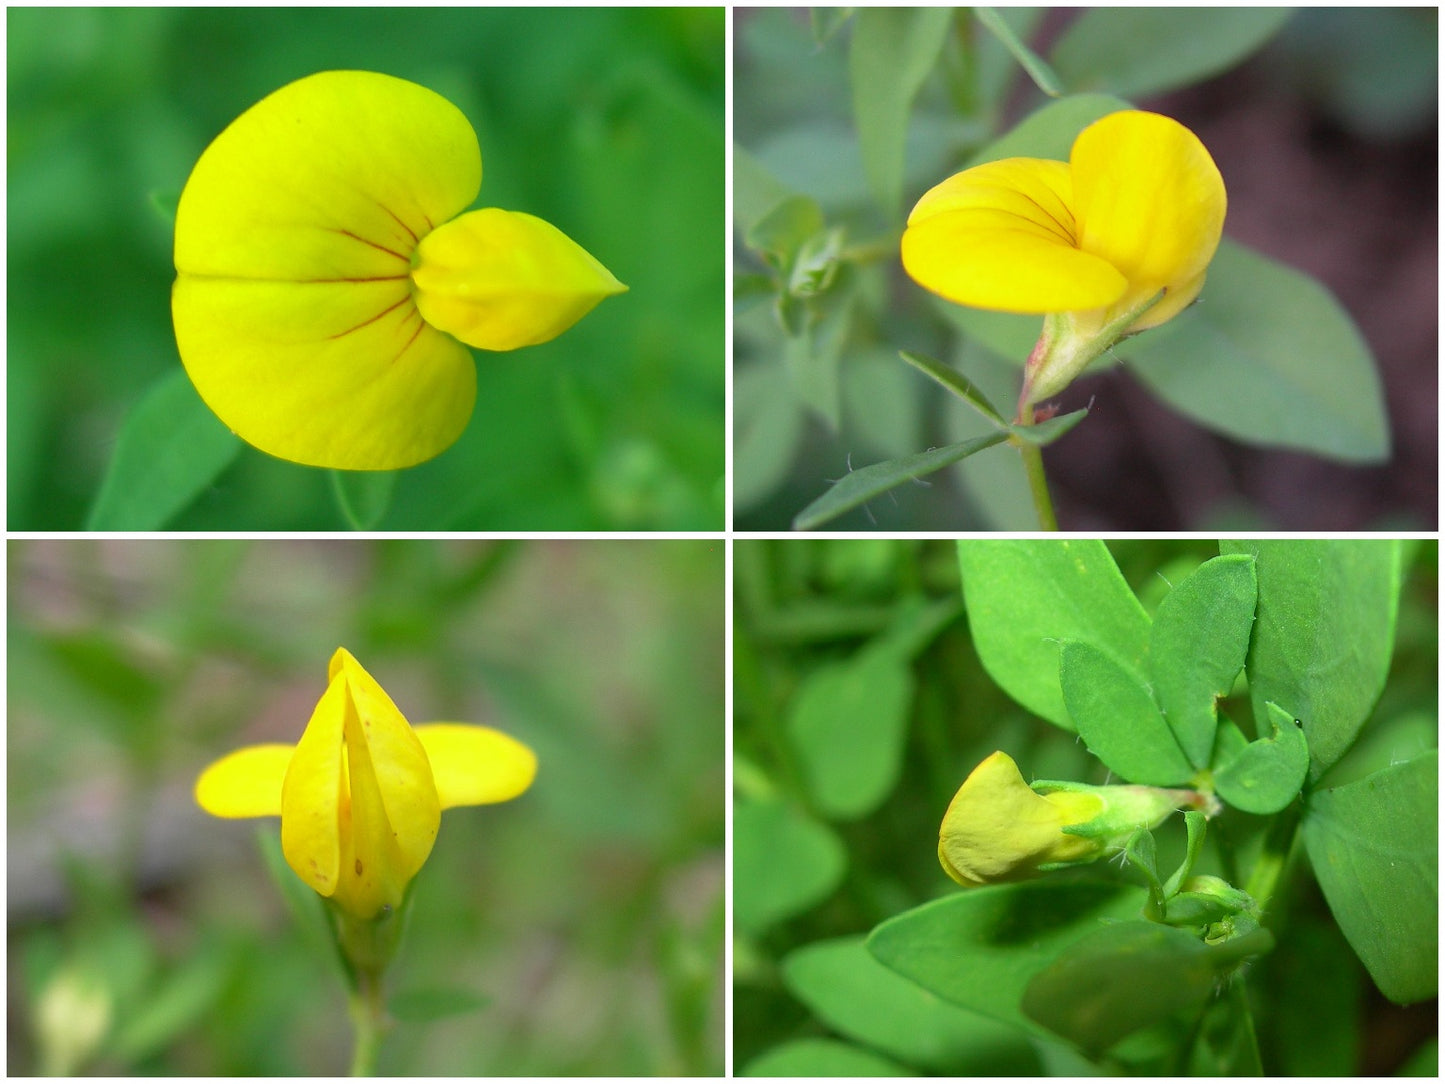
<point>1139,52</point>
<point>822,1058</point>
<point>849,990</point>
<point>891,52</point>
<point>1374,845</point>
<point>1285,364</point>
<point>1324,634</point>
<point>363,497</point>
<point>847,724</point>
<point>784,862</point>
<point>863,485</point>
<point>1265,775</point>
<point>169,450</point>
<point>1127,976</point>
<point>1197,644</point>
<point>1269,358</point>
<point>1024,598</point>
<point>1114,713</point>
<point>983,949</point>
<point>608,123</point>
<point>425,1005</point>
<point>1038,68</point>
<point>1179,962</point>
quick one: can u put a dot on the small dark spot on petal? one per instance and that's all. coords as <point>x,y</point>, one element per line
<point>358,867</point>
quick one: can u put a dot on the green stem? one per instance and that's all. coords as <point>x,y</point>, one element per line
<point>369,1019</point>
<point>1033,457</point>
<point>1272,856</point>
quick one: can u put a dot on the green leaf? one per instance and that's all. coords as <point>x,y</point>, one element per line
<point>1318,986</point>
<point>816,265</point>
<point>847,724</point>
<point>821,1058</point>
<point>981,948</point>
<point>995,69</point>
<point>1008,335</point>
<point>1266,774</point>
<point>1142,854</point>
<point>891,54</point>
<point>1197,647</point>
<point>883,406</point>
<point>1049,430</point>
<point>1323,635</point>
<point>1118,719</point>
<point>825,22</point>
<point>755,190</point>
<point>1128,976</point>
<point>781,231</point>
<point>1374,845</point>
<point>1025,597</point>
<point>955,382</point>
<point>164,204</point>
<point>1038,69</point>
<point>1225,1043</point>
<point>1268,356</point>
<point>812,351</point>
<point>363,497</point>
<point>916,624</point>
<point>304,904</point>
<point>1141,52</point>
<point>995,486</point>
<point>862,485</point>
<point>768,424</point>
<point>181,999</point>
<point>425,1005</point>
<point>170,449</point>
<point>784,862</point>
<point>848,990</point>
<point>1050,132</point>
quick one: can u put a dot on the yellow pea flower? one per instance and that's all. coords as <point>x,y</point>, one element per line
<point>360,796</point>
<point>999,828</point>
<point>325,283</point>
<point>1114,241</point>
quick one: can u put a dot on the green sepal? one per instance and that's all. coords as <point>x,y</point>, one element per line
<point>1195,824</point>
<point>366,946</point>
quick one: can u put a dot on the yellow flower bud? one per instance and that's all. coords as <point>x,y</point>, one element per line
<point>999,828</point>
<point>360,796</point>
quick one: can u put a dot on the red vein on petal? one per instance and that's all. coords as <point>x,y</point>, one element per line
<point>420,323</point>
<point>398,220</point>
<point>372,244</point>
<point>369,278</point>
<point>372,319</point>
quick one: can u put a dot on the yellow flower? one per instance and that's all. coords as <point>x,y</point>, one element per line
<point>324,278</point>
<point>999,828</point>
<point>360,796</point>
<point>1114,241</point>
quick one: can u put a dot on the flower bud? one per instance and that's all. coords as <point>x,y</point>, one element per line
<point>999,828</point>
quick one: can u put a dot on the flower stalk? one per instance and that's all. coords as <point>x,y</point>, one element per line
<point>360,798</point>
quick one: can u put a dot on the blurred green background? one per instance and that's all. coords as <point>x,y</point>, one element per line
<point>148,938</point>
<point>606,122</point>
<point>852,660</point>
